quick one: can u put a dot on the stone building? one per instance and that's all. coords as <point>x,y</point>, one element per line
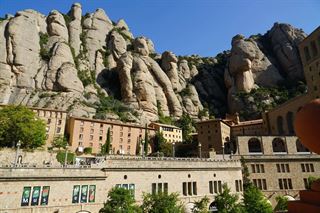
<point>85,188</point>
<point>171,134</point>
<point>125,138</point>
<point>55,121</point>
<point>278,165</point>
<point>217,135</point>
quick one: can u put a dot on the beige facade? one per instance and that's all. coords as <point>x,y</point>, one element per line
<point>55,121</point>
<point>278,165</point>
<point>192,179</point>
<point>125,138</point>
<point>172,134</point>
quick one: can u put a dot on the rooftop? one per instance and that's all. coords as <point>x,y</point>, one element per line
<point>166,125</point>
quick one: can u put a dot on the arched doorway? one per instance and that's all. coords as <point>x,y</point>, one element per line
<point>213,207</point>
<point>254,145</point>
<point>188,208</point>
<point>290,122</point>
<point>300,147</point>
<point>280,125</point>
<point>279,146</point>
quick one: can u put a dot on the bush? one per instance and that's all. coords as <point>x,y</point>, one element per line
<point>87,150</point>
<point>61,156</point>
<point>44,52</point>
<point>311,179</point>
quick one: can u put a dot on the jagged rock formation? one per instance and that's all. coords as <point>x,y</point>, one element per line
<point>74,62</point>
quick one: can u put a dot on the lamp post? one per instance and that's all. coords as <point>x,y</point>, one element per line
<point>142,148</point>
<point>199,146</point>
<point>66,157</point>
<point>17,152</point>
<point>173,149</point>
<point>223,151</point>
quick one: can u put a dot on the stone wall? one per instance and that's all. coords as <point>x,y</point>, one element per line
<point>142,172</point>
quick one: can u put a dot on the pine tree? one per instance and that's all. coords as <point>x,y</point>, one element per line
<point>146,140</point>
<point>254,201</point>
<point>227,202</point>
<point>105,149</point>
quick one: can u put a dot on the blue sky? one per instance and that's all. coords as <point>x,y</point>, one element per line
<point>203,27</point>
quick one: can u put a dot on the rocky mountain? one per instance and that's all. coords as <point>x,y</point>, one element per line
<point>94,67</point>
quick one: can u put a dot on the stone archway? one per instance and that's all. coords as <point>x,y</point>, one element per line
<point>279,145</point>
<point>213,207</point>
<point>300,147</point>
<point>188,207</point>
<point>254,145</point>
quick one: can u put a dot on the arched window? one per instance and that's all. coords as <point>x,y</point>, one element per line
<point>254,145</point>
<point>278,145</point>
<point>280,125</point>
<point>301,147</point>
<point>290,122</point>
<point>213,207</point>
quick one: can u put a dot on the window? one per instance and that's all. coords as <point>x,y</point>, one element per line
<point>101,125</point>
<point>58,129</point>
<point>307,53</point>
<point>215,187</point>
<point>80,136</point>
<point>59,122</point>
<point>254,145</point>
<point>92,124</point>
<point>91,137</point>
<point>91,131</point>
<point>285,183</point>
<point>283,168</point>
<point>100,138</point>
<point>278,145</point>
<point>184,189</point>
<point>91,144</point>
<point>81,129</point>
<point>257,168</point>
<point>101,132</point>
<point>189,188</point>
<point>260,183</point>
<point>49,121</point>
<point>238,185</point>
<point>194,186</point>
<point>131,187</point>
<point>307,167</point>
<point>314,49</point>
<point>39,196</point>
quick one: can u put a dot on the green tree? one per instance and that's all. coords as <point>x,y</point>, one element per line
<point>160,144</point>
<point>245,173</point>
<point>227,202</point>
<point>282,203</point>
<point>61,155</point>
<point>201,206</point>
<point>20,123</point>
<point>254,201</point>
<point>120,200</point>
<point>87,150</point>
<point>311,179</point>
<point>161,203</point>
<point>59,142</point>
<point>146,140</point>
<point>105,148</point>
<point>186,124</point>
